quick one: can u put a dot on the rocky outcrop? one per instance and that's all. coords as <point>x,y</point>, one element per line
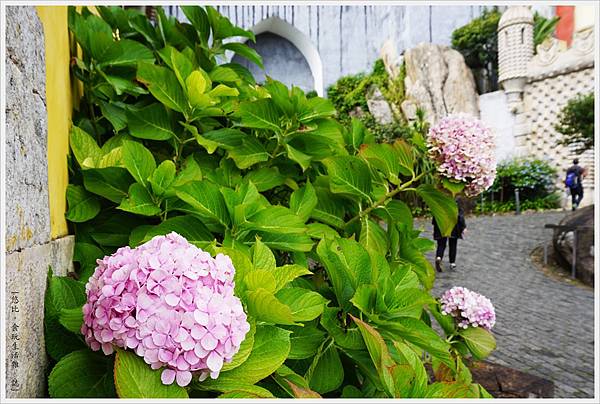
<point>439,82</point>
<point>504,382</point>
<point>379,107</point>
<point>563,244</point>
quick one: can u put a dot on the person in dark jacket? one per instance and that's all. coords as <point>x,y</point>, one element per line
<point>457,232</point>
<point>574,182</point>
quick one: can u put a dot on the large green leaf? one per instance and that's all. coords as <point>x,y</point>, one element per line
<point>350,176</point>
<point>84,147</point>
<point>139,202</point>
<point>93,373</point>
<point>303,201</point>
<point>306,305</point>
<point>151,122</point>
<point>262,256</point>
<point>261,114</point>
<point>86,254</point>
<point>139,161</point>
<point>245,51</point>
<point>62,293</point>
<point>163,177</point>
<point>346,335</point>
<point>71,319</point>
<point>111,183</point>
<point>126,52</point>
<point>206,200</point>
<point>480,341</point>
<point>271,348</point>
<point>187,226</point>
<point>199,20</point>
<point>276,219</point>
<point>135,379</point>
<point>163,85</point>
<point>265,178</point>
<point>287,273</point>
<point>373,237</point>
<point>305,341</point>
<point>288,241</point>
<point>264,306</point>
<point>326,372</point>
<point>383,157</point>
<point>443,208</point>
<point>83,206</point>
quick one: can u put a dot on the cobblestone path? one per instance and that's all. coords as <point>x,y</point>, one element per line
<point>544,327</point>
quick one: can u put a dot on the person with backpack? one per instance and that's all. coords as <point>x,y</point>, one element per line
<point>457,232</point>
<point>573,181</point>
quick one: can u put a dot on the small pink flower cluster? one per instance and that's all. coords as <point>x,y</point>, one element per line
<point>169,301</point>
<point>463,148</point>
<point>469,308</point>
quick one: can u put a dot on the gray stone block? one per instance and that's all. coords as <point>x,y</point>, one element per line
<point>26,274</point>
<point>27,206</point>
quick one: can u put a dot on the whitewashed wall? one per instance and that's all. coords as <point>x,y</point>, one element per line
<point>494,111</point>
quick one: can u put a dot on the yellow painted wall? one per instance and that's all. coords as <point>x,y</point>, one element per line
<point>59,105</point>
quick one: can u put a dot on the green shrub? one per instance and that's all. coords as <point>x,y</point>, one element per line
<point>478,40</point>
<point>168,140</point>
<point>542,28</point>
<point>535,180</point>
<point>576,123</point>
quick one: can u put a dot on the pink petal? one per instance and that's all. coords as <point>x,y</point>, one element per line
<point>107,348</point>
<point>209,342</point>
<point>168,376</point>
<point>159,339</point>
<point>214,362</point>
<point>191,358</point>
<point>201,317</point>
<point>172,300</point>
<point>184,378</point>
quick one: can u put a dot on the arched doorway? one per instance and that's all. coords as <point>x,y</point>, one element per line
<point>282,61</point>
<point>288,55</point>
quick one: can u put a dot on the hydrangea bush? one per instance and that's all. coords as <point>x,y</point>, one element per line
<point>282,280</point>
<point>469,308</point>
<point>464,150</point>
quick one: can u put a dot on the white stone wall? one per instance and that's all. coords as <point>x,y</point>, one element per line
<point>349,38</point>
<point>494,111</point>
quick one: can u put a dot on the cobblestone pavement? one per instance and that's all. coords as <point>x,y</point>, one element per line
<point>544,327</point>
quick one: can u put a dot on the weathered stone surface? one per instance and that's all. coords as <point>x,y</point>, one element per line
<point>27,209</point>
<point>26,274</point>
<point>504,382</point>
<point>563,244</point>
<point>439,82</point>
<point>379,107</point>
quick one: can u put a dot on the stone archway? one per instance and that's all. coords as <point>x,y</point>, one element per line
<point>288,54</point>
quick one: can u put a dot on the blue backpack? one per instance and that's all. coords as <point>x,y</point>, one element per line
<point>570,180</point>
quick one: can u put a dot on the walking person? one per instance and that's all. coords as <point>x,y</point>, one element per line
<point>574,182</point>
<point>457,232</point>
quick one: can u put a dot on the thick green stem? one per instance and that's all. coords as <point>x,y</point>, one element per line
<point>385,198</point>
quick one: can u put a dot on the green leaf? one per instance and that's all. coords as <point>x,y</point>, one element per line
<point>139,202</point>
<point>400,213</point>
<point>293,384</point>
<point>62,293</point>
<point>223,74</point>
<point>271,348</point>
<point>326,373</point>
<point>245,52</point>
<point>385,365</point>
<point>92,371</point>
<point>262,257</point>
<point>303,201</point>
<point>206,200</point>
<point>305,341</point>
<point>83,206</point>
<point>260,279</point>
<point>261,114</point>
<point>349,176</point>
<point>299,157</point>
<point>237,390</point>
<point>139,161</point>
<point>245,350</point>
<point>163,85</point>
<point>347,335</point>
<point>111,183</point>
<point>306,305</point>
<point>115,114</point>
<point>127,52</point>
<point>86,254</point>
<point>287,273</point>
<point>443,208</point>
<point>383,157</point>
<point>135,379</point>
<point>264,306</point>
<point>453,186</point>
<point>317,107</point>
<point>196,85</point>
<point>373,237</point>
<point>187,226</point>
<point>445,321</point>
<point>163,177</point>
<point>151,122</point>
<point>480,341</point>
<point>276,219</point>
<point>222,90</point>
<point>287,242</point>
<point>266,178</point>
<point>405,155</point>
<point>71,319</point>
<point>199,20</point>
<point>84,147</point>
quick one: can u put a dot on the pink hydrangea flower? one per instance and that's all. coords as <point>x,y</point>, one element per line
<point>469,308</point>
<point>170,302</point>
<point>463,149</point>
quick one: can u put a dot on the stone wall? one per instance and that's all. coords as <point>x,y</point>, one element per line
<point>557,75</point>
<point>349,38</point>
<point>29,248</point>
